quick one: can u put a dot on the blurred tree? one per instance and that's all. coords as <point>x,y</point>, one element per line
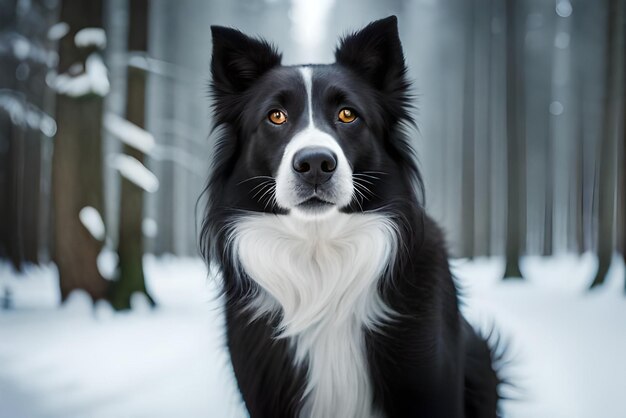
<point>9,237</point>
<point>515,235</point>
<point>608,143</point>
<point>130,246</point>
<point>77,160</point>
<point>24,49</point>
<point>468,183</point>
<point>483,60</point>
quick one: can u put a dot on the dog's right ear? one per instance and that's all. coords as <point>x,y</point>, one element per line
<point>239,60</point>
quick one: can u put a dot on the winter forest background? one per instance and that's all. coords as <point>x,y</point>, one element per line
<point>105,147</point>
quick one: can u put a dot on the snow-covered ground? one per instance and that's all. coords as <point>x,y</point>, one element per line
<point>567,346</point>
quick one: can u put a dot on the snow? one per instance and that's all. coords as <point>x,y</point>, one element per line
<point>58,31</point>
<point>563,8</point>
<point>107,262</point>
<point>25,114</point>
<point>149,227</point>
<point>21,48</point>
<point>95,37</point>
<point>139,61</point>
<point>566,345</point>
<point>91,219</point>
<point>129,133</point>
<point>84,361</point>
<point>93,81</point>
<point>137,173</point>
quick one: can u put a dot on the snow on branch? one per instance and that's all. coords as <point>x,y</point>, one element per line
<point>143,61</point>
<point>91,37</point>
<point>93,80</point>
<point>24,49</point>
<point>58,31</point>
<point>129,133</point>
<point>92,221</point>
<point>25,114</point>
<point>21,48</point>
<point>134,171</point>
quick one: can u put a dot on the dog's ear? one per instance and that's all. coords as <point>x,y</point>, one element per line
<point>375,53</point>
<point>238,60</point>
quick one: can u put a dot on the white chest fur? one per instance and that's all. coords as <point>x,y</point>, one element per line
<point>323,276</point>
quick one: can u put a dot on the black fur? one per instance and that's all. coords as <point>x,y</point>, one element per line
<point>429,362</point>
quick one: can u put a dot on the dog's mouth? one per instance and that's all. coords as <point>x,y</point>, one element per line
<point>315,203</point>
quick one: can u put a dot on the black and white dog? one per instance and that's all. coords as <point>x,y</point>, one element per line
<point>339,298</point>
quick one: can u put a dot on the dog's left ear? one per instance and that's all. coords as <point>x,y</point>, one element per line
<point>375,53</point>
<point>239,60</point>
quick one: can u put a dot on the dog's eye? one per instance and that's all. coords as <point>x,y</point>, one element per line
<point>347,115</point>
<point>277,117</point>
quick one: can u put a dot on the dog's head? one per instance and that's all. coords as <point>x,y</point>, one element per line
<point>313,139</point>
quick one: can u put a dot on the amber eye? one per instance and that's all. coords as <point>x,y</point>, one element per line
<point>277,117</point>
<point>347,115</point>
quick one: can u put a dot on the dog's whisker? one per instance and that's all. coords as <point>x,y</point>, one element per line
<point>270,191</point>
<point>255,178</point>
<point>363,188</point>
<point>363,180</point>
<point>360,193</point>
<point>270,198</point>
<point>262,189</point>
<point>260,185</point>
<point>356,199</point>
<point>360,175</point>
<point>375,172</point>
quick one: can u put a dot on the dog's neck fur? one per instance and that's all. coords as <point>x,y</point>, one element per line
<point>321,276</point>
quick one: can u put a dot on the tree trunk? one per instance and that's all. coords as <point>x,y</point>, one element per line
<point>623,126</point>
<point>515,148</point>
<point>11,147</point>
<point>77,163</point>
<point>608,151</point>
<point>468,193</point>
<point>130,245</point>
<point>623,188</point>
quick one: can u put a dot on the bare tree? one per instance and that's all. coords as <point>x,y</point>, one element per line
<point>130,245</point>
<point>608,143</point>
<point>77,160</point>
<point>515,146</point>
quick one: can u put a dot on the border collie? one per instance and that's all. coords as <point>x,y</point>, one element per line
<point>339,298</point>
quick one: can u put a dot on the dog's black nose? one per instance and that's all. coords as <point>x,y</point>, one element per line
<point>315,165</point>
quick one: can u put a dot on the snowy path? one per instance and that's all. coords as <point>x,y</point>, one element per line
<point>568,347</point>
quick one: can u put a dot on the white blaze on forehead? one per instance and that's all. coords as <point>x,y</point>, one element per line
<point>307,76</point>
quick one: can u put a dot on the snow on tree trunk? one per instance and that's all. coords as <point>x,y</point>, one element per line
<point>77,163</point>
<point>130,245</point>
